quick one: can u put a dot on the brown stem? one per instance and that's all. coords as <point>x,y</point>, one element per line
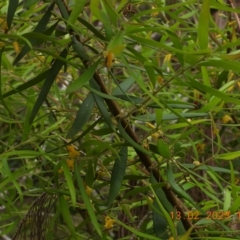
<point>144,158</point>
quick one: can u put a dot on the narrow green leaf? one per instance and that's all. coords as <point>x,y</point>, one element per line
<point>137,232</point>
<point>116,45</point>
<point>29,3</point>
<point>166,214</point>
<point>15,36</point>
<point>201,87</point>
<point>90,174</point>
<point>159,223</point>
<point>91,28</point>
<point>66,215</point>
<point>235,205</point>
<point>151,73</point>
<point>216,102</point>
<point>163,148</point>
<point>227,200</point>
<point>103,95</point>
<point>123,86</point>
<point>69,181</point>
<point>100,15</point>
<point>39,38</point>
<point>86,200</point>
<point>221,78</point>
<point>203,25</point>
<point>8,172</point>
<point>159,116</point>
<point>83,115</point>
<point>12,7</point>
<point>102,106</point>
<point>160,45</point>
<point>79,49</point>
<point>175,186</point>
<point>76,11</point>
<point>131,141</point>
<point>28,84</point>
<point>83,79</point>
<point>1,96</point>
<point>136,54</point>
<point>53,72</point>
<point>41,26</point>
<point>187,234</point>
<point>118,173</point>
<point>62,9</point>
<point>170,116</point>
<point>233,182</point>
<point>206,80</point>
<point>161,195</point>
<point>225,65</point>
<point>228,156</point>
<point>158,190</point>
<point>178,45</point>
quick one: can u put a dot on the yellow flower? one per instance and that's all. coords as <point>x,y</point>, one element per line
<point>88,190</point>
<point>155,13</point>
<point>109,59</point>
<point>73,153</point>
<point>167,58</point>
<point>155,135</point>
<point>16,47</point>
<point>160,79</point>
<point>238,84</point>
<point>226,119</point>
<point>108,222</point>
<point>200,147</point>
<point>3,24</point>
<point>70,163</point>
<point>145,144</point>
<point>230,89</point>
<point>171,238</point>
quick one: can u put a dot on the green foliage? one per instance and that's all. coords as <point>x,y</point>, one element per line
<point>119,120</point>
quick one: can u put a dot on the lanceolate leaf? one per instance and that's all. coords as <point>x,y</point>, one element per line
<point>28,84</point>
<point>69,181</point>
<point>163,148</point>
<point>53,72</point>
<point>159,223</point>
<point>131,141</point>
<point>175,186</point>
<point>11,11</point>
<point>79,49</point>
<point>86,200</point>
<point>62,9</point>
<point>118,173</point>
<point>101,105</point>
<point>76,11</point>
<point>91,28</point>
<point>1,96</point>
<point>83,79</point>
<point>83,115</point>
<point>41,26</point>
<point>203,24</point>
<point>66,214</point>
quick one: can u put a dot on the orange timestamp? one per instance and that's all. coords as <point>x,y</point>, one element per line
<point>195,215</point>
